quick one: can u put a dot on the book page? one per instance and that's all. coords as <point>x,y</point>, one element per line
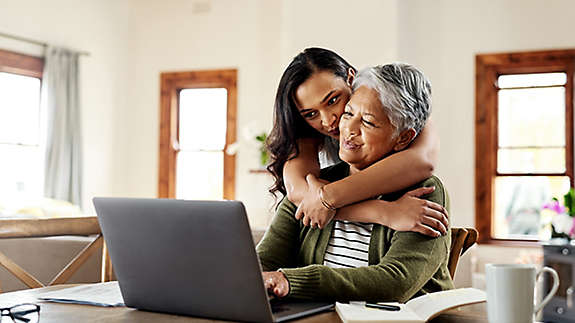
<point>355,313</point>
<point>430,305</point>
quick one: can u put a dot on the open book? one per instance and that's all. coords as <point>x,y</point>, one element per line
<point>419,309</point>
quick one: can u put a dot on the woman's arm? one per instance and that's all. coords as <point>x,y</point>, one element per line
<point>296,169</point>
<point>398,171</point>
<point>405,269</point>
<point>410,263</point>
<point>408,213</point>
<point>279,245</point>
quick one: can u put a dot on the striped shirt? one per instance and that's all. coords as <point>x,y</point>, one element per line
<point>348,245</point>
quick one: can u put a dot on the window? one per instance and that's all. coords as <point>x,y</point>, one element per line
<point>22,162</point>
<point>523,140</point>
<point>198,122</point>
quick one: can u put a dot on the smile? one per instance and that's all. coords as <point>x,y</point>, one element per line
<point>350,145</point>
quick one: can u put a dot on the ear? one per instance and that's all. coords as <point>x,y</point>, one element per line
<point>404,139</point>
<point>350,76</point>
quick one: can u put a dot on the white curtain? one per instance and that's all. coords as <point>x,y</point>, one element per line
<point>60,96</point>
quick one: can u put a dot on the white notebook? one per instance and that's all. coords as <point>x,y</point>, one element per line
<point>419,309</point>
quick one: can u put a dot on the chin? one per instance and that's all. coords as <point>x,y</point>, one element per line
<point>354,162</point>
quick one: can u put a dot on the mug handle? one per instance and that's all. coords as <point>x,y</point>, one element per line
<point>553,289</point>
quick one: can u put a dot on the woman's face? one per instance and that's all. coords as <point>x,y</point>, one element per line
<point>367,135</point>
<point>321,100</point>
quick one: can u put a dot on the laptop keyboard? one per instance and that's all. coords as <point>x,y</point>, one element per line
<point>277,305</point>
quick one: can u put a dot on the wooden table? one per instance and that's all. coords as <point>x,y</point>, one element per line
<point>55,312</point>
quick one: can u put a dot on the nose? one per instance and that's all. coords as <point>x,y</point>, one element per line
<point>328,119</point>
<point>349,127</point>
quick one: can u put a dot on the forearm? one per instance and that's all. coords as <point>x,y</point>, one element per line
<point>369,211</point>
<point>396,172</point>
<point>296,169</point>
<point>401,273</point>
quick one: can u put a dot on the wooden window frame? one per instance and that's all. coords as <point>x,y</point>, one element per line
<point>488,68</point>
<point>171,85</point>
<point>21,64</point>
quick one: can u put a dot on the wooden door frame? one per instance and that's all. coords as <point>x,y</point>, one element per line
<point>171,83</point>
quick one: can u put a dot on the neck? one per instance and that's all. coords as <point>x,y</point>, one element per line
<point>353,170</point>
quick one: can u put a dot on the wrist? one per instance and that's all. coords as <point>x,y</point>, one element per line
<point>326,204</point>
<point>329,195</point>
<point>383,212</point>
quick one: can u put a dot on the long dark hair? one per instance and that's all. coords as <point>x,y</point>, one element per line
<point>289,125</point>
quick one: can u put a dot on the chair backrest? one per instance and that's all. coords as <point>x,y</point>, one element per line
<point>35,228</point>
<point>461,240</point>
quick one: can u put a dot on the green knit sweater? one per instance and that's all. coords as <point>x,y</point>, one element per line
<point>402,265</point>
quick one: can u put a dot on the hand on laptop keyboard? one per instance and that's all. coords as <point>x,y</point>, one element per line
<point>276,283</point>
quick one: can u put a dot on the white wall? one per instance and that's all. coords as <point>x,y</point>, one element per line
<point>132,41</point>
<point>257,37</point>
<point>442,38</point>
<point>98,27</point>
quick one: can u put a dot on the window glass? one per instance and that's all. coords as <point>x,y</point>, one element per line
<point>531,160</point>
<point>22,157</point>
<point>203,119</point>
<point>531,117</point>
<point>21,171</point>
<point>518,203</point>
<point>531,140</point>
<point>200,175</point>
<point>535,79</point>
<point>19,109</point>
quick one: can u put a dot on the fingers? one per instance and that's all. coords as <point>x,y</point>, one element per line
<point>436,213</point>
<point>269,282</point>
<point>299,212</point>
<point>281,290</point>
<point>276,283</point>
<point>306,220</point>
<point>421,191</point>
<point>424,229</point>
<point>434,224</point>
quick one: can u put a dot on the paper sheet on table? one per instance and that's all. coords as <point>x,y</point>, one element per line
<point>102,294</point>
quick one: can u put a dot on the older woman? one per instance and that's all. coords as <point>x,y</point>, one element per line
<point>354,260</point>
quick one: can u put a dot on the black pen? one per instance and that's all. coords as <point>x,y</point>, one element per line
<point>383,306</point>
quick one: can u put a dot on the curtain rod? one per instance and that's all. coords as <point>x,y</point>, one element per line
<point>32,41</point>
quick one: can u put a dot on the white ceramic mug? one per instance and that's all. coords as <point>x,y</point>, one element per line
<point>510,290</point>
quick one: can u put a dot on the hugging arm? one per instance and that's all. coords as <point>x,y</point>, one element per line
<point>296,169</point>
<point>428,219</point>
<point>391,174</point>
<point>411,261</point>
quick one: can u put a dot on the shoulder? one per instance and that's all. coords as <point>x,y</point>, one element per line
<point>438,196</point>
<point>334,172</point>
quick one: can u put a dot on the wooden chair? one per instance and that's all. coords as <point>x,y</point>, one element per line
<point>461,240</point>
<point>35,228</point>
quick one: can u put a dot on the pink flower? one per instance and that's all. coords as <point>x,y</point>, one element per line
<point>572,231</point>
<point>555,206</point>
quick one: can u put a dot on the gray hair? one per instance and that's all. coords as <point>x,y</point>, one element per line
<point>404,91</point>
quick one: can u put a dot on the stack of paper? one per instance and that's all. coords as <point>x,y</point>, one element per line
<point>102,294</point>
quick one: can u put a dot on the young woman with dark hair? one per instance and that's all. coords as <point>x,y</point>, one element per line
<point>310,100</point>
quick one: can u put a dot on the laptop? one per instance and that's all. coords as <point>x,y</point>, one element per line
<point>193,258</point>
